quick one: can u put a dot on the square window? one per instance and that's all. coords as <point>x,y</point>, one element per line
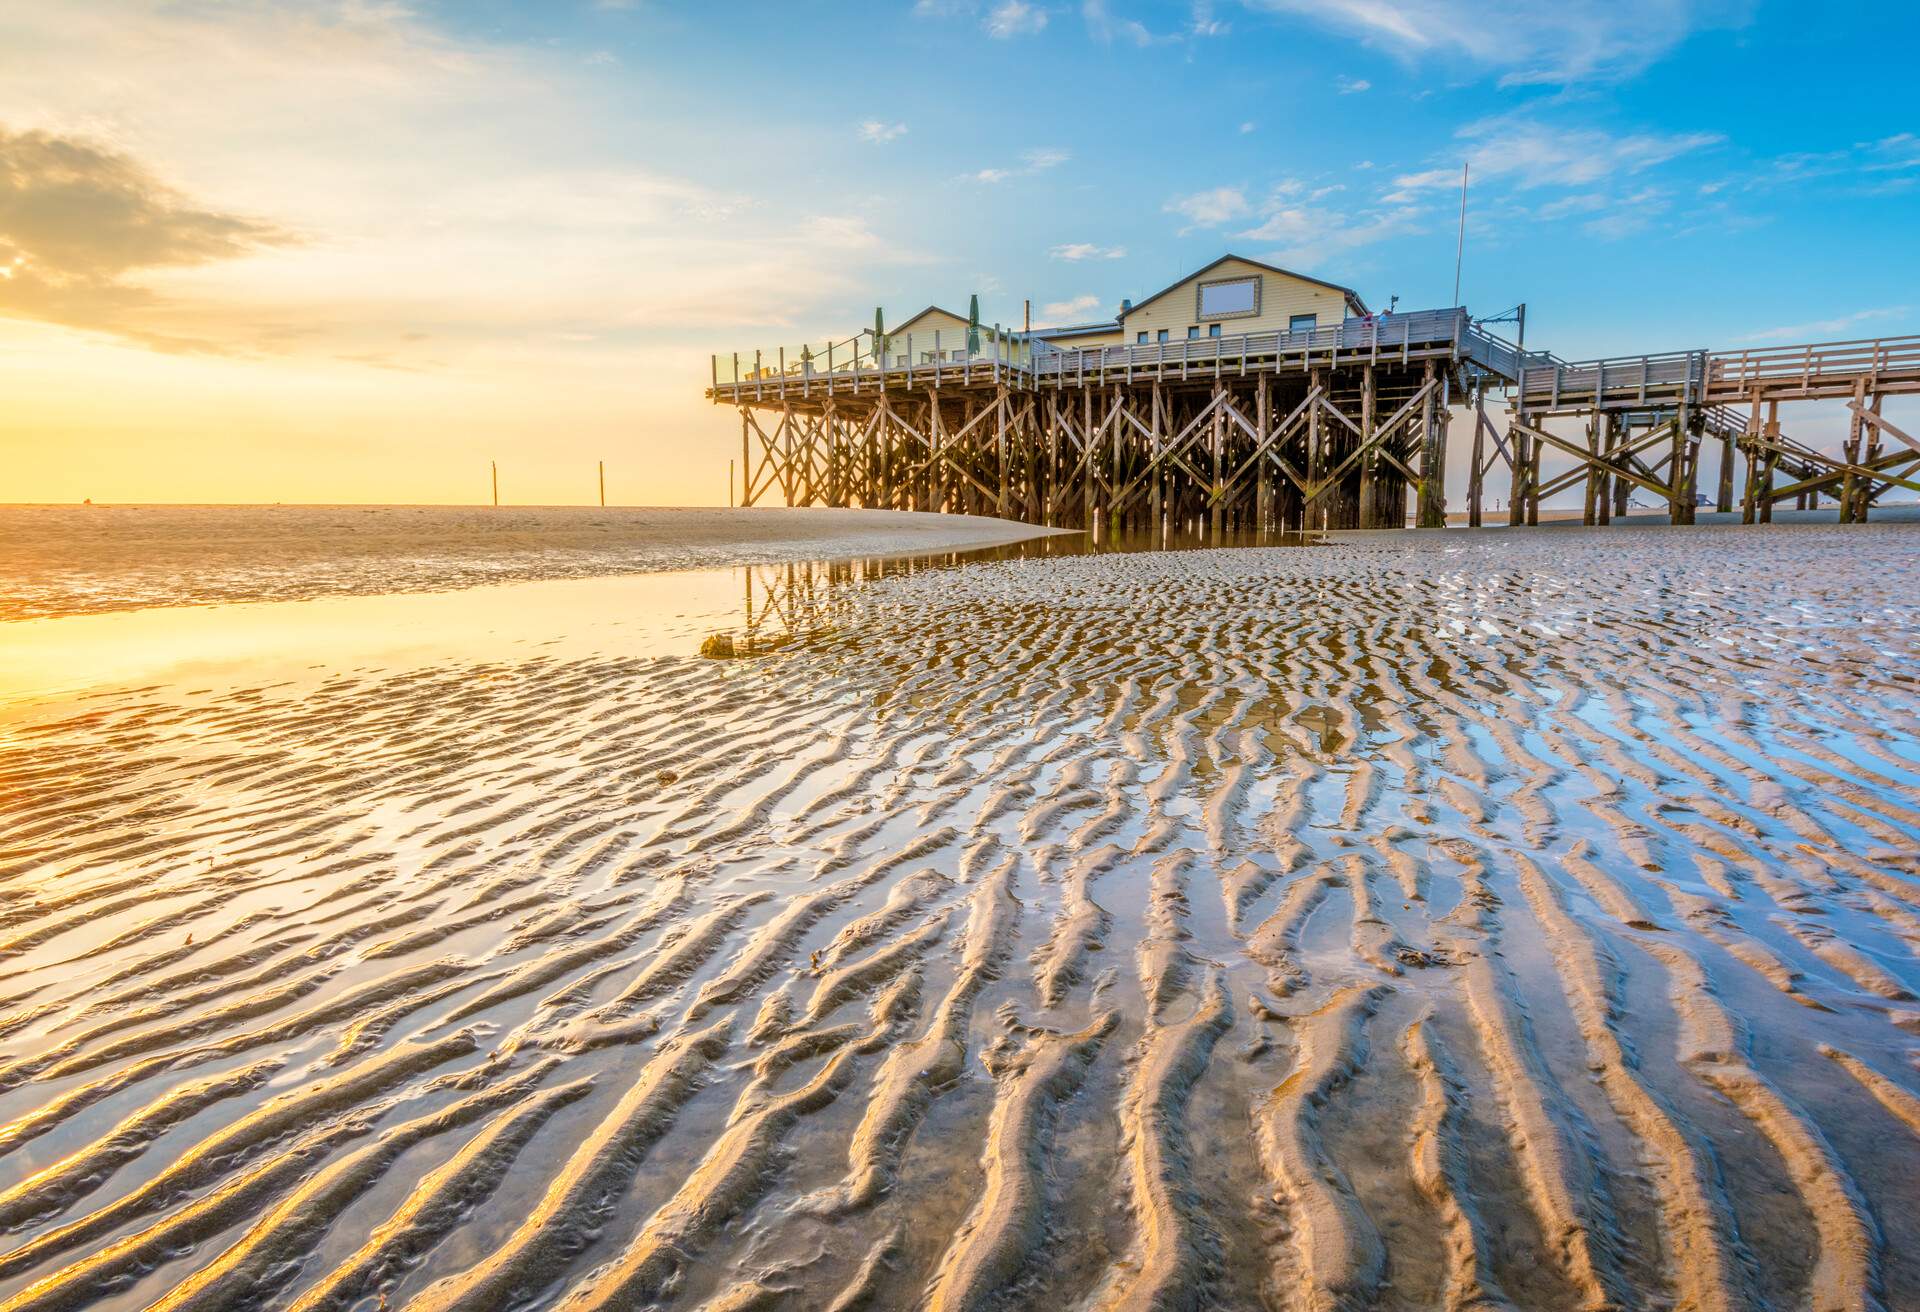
<point>1163,334</point>
<point>1230,298</point>
<point>1193,333</point>
<point>1213,330</point>
<point>1142,339</point>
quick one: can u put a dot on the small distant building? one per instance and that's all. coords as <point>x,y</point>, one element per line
<point>939,336</point>
<point>1231,296</point>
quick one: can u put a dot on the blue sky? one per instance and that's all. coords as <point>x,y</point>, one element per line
<point>355,250</point>
<point>1647,176</point>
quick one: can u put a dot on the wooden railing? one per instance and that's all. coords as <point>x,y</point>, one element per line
<point>1699,377</point>
<point>1376,337</point>
<point>1813,364</point>
<point>915,360</point>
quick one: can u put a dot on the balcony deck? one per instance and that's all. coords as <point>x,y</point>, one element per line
<point>1400,339</point>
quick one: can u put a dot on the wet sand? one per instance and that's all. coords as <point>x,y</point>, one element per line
<point>72,560</point>
<point>1516,920</point>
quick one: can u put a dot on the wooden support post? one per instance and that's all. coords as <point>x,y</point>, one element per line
<point>1771,464</point>
<point>1217,492</point>
<point>1623,448</point>
<point>1750,492</point>
<point>1590,515</point>
<point>1000,445</point>
<point>1870,457</point>
<point>1533,483</point>
<point>1521,447</point>
<point>746,463</point>
<point>1263,477</point>
<point>1432,511</point>
<point>1723,496</point>
<point>1852,511</point>
<point>1156,489</point>
<point>1477,471</point>
<point>1369,494</point>
<point>1087,457</point>
<point>1315,514</point>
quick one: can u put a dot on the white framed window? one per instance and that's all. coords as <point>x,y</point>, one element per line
<point>1228,298</point>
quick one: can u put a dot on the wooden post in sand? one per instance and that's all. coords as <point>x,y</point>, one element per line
<point>603,483</point>
<point>494,465</point>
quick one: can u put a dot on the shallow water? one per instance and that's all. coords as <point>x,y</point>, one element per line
<point>1518,920</point>
<point>83,560</point>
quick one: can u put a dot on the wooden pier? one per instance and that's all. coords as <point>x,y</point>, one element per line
<point>1344,426</point>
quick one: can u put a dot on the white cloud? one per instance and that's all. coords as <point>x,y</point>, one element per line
<point>1037,160</point>
<point>1529,153</point>
<point>1084,250</point>
<point>1886,164</point>
<point>1352,86</point>
<point>1059,312</point>
<point>1104,27</point>
<point>1211,208</point>
<point>1531,43</point>
<point>1204,24</point>
<point>1307,237</point>
<point>1796,332</point>
<point>1015,18</point>
<point>879,133</point>
<point>1246,127</point>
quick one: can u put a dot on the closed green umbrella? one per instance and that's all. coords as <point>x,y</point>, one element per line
<point>879,339</point>
<point>973,326</point>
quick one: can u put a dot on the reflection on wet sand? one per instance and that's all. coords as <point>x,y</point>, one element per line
<point>1520,922</point>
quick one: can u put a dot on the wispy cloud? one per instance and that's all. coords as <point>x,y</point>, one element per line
<point>1527,153</point>
<point>1351,86</point>
<point>1037,160</point>
<point>1306,236</point>
<point>1526,42</point>
<point>880,133</point>
<point>1794,332</point>
<point>1105,26</point>
<point>1210,208</point>
<point>1086,250</point>
<point>1013,18</point>
<point>1054,313</point>
<point>1879,166</point>
<point>1204,23</point>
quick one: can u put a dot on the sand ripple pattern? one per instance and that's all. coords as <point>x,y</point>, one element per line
<point>1525,923</point>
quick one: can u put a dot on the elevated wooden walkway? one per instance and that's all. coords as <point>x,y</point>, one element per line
<point>1637,404</point>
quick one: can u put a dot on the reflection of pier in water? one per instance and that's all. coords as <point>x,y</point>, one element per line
<point>801,600</point>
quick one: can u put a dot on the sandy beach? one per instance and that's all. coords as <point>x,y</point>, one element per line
<point>1469,920</point>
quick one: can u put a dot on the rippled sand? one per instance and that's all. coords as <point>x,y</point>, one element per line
<point>1503,921</point>
<point>72,560</point>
